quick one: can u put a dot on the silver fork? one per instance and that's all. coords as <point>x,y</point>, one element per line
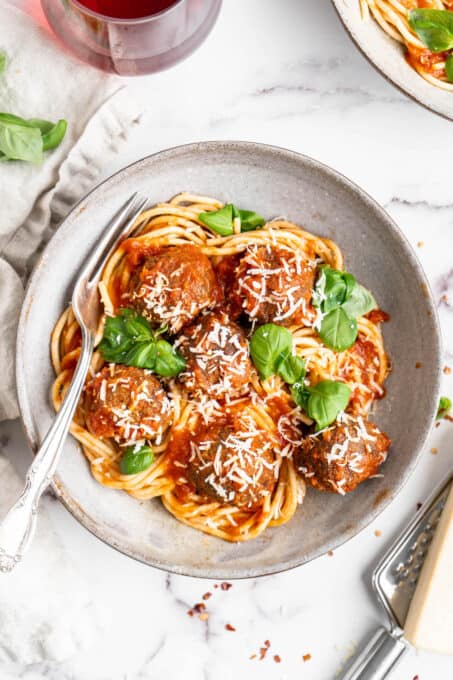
<point>17,528</point>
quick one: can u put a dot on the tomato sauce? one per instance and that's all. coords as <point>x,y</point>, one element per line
<point>377,316</point>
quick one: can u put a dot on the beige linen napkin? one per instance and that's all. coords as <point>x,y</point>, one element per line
<point>43,81</point>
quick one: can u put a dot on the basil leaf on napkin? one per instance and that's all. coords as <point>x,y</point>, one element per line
<point>26,140</point>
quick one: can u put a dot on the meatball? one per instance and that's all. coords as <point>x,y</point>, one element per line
<point>127,404</point>
<point>217,355</point>
<point>231,461</point>
<point>173,285</point>
<point>275,284</point>
<point>343,455</point>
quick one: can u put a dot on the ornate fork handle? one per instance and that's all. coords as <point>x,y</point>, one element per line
<point>17,528</point>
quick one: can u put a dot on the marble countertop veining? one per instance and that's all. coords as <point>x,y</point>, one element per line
<point>284,73</point>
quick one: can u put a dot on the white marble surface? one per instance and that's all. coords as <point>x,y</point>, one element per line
<point>285,73</point>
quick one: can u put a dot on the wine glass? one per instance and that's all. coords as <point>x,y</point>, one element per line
<point>130,42</point>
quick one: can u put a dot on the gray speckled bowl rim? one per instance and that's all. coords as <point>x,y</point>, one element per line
<point>78,512</point>
<point>371,59</point>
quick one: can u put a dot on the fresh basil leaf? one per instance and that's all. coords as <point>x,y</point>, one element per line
<point>434,27</point>
<point>333,287</point>
<point>444,407</point>
<point>51,136</point>
<point>129,339</point>
<point>168,361</point>
<point>141,355</point>
<point>136,459</point>
<point>220,221</point>
<point>360,302</point>
<point>54,136</point>
<point>300,395</point>
<point>269,343</point>
<point>291,369</point>
<point>326,400</point>
<point>449,68</point>
<point>21,143</point>
<point>250,220</point>
<point>3,61</point>
<point>338,331</point>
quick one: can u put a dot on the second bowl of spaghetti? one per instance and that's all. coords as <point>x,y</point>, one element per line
<point>244,407</point>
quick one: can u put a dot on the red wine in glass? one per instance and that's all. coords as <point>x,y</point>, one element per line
<point>132,9</point>
<point>131,37</point>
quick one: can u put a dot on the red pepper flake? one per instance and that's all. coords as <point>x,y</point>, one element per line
<point>449,418</point>
<point>330,553</point>
<point>263,652</point>
<point>277,658</point>
<point>416,677</point>
<point>306,657</point>
<point>228,626</point>
<point>216,585</point>
<point>438,424</point>
<point>378,533</point>
<point>190,612</point>
<point>418,364</point>
<point>207,595</point>
<point>267,643</point>
<point>253,656</point>
<point>199,607</point>
<point>204,616</point>
<point>447,370</point>
<point>226,586</point>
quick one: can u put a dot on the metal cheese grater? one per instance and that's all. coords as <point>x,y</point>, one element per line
<point>394,581</point>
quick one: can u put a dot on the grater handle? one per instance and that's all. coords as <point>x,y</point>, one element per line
<point>379,658</point>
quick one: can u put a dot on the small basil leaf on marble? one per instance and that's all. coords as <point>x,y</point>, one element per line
<point>434,27</point>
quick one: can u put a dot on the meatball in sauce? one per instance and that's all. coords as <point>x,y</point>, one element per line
<point>231,460</point>
<point>275,284</point>
<point>127,404</point>
<point>217,355</point>
<point>343,455</point>
<point>172,286</point>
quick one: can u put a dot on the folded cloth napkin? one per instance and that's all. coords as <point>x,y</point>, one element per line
<point>42,81</point>
<point>48,612</point>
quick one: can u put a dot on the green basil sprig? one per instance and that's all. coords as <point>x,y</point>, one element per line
<point>444,408</point>
<point>342,301</point>
<point>26,140</point>
<point>129,339</point>
<point>222,221</point>
<point>136,459</point>
<point>271,353</point>
<point>322,402</point>
<point>434,27</point>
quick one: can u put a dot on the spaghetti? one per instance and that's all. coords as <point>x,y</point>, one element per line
<point>223,443</point>
<point>392,17</point>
